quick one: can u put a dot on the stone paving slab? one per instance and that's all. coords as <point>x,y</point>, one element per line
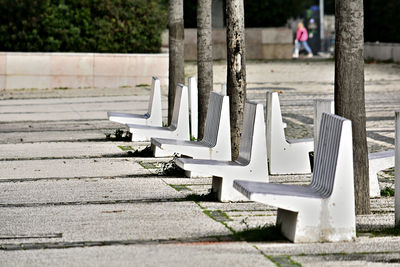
<point>48,102</point>
<point>62,125</point>
<point>64,150</point>
<point>141,92</point>
<point>68,108</point>
<point>89,191</point>
<point>72,168</point>
<point>133,221</point>
<point>360,245</point>
<point>51,136</point>
<point>69,105</point>
<point>185,254</point>
<point>54,116</point>
<point>372,259</point>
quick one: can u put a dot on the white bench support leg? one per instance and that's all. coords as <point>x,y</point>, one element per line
<point>225,191</point>
<point>160,153</point>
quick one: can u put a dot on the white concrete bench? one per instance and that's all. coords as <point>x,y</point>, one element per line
<point>284,156</point>
<point>324,210</point>
<point>251,163</point>
<point>153,116</point>
<point>216,143</point>
<point>377,161</point>
<point>179,128</point>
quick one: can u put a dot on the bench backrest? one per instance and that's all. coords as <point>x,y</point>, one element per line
<point>193,107</point>
<point>181,105</point>
<point>246,141</point>
<point>273,117</point>
<point>154,104</point>
<point>321,106</point>
<point>213,119</point>
<point>327,154</point>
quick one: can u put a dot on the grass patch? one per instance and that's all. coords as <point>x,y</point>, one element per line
<point>61,88</point>
<point>387,192</point>
<point>180,187</point>
<point>389,172</point>
<point>391,231</point>
<point>171,169</point>
<point>210,197</point>
<point>144,153</point>
<point>261,233</point>
<point>147,165</point>
<point>119,135</point>
<point>192,138</point>
<point>126,148</point>
<point>142,85</point>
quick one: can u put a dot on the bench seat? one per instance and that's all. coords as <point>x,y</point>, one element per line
<point>250,188</point>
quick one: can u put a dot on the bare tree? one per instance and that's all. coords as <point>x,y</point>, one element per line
<point>349,89</point>
<point>236,67</point>
<point>176,49</point>
<point>204,60</point>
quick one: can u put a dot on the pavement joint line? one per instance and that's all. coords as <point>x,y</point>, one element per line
<point>94,140</point>
<point>32,236</point>
<point>68,103</point>
<point>94,202</point>
<point>133,176</point>
<point>57,130</point>
<point>179,187</point>
<point>283,261</point>
<point>50,121</point>
<point>209,214</point>
<point>62,245</point>
<point>116,156</point>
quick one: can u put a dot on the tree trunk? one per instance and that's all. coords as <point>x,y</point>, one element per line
<point>236,68</point>
<point>349,90</point>
<point>204,60</point>
<point>176,48</point>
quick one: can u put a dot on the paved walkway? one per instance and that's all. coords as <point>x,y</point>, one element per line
<point>70,196</point>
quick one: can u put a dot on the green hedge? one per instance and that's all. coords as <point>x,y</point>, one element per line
<point>381,21</point>
<point>113,26</point>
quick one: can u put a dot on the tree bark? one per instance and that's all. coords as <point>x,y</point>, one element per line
<point>236,68</point>
<point>176,49</point>
<point>349,90</point>
<point>204,60</point>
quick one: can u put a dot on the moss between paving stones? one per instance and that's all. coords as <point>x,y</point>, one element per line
<point>171,169</point>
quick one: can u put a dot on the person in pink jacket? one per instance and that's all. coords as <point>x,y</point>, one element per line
<point>301,40</point>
